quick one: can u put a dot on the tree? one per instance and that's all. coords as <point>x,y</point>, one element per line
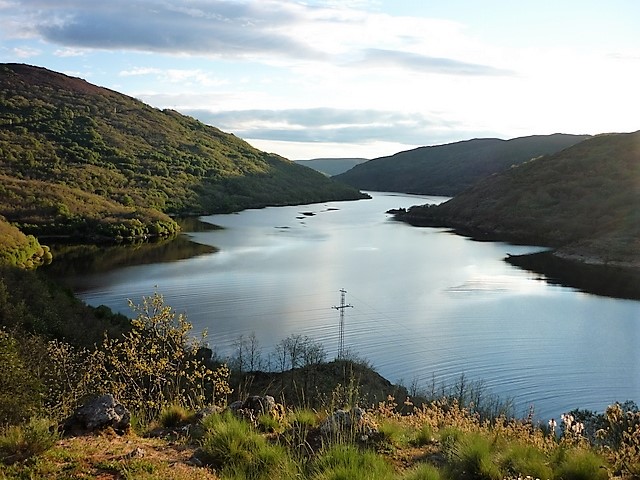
<point>247,354</point>
<point>299,351</point>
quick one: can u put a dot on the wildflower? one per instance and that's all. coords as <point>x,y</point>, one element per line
<point>552,425</point>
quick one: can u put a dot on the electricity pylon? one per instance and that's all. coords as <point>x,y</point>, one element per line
<point>341,308</point>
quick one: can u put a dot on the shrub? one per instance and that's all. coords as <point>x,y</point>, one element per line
<point>21,442</point>
<point>156,363</point>
<point>20,391</point>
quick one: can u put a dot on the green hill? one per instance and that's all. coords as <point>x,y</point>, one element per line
<point>584,201</point>
<point>78,159</point>
<point>449,169</point>
<point>20,250</point>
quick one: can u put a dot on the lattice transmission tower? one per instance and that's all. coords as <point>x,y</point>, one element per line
<point>341,309</point>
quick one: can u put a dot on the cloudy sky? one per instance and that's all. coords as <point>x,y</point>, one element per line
<point>352,78</point>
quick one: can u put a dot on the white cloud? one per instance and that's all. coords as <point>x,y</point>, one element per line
<point>25,52</point>
<point>69,52</point>
<point>186,78</point>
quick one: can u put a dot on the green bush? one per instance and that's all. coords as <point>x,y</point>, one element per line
<point>20,390</point>
<point>156,364</point>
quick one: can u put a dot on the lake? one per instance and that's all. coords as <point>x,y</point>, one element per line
<point>427,304</point>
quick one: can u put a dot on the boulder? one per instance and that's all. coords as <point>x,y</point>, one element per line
<point>99,413</point>
<point>343,420</point>
<point>257,405</point>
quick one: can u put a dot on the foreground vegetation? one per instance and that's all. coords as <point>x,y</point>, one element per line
<point>181,429</point>
<point>440,440</point>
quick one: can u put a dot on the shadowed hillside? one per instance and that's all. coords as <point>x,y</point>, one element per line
<point>77,159</point>
<point>584,201</point>
<point>332,166</point>
<point>449,169</point>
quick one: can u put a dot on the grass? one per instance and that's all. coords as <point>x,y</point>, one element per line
<point>109,456</point>
<point>343,461</point>
<point>175,416</point>
<point>437,443</point>
<point>233,447</point>
<point>21,442</point>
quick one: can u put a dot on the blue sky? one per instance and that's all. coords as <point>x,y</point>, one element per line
<point>359,78</point>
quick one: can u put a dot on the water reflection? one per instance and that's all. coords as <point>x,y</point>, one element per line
<point>618,282</point>
<point>74,260</point>
<point>427,303</point>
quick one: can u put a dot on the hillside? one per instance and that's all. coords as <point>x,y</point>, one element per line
<point>78,159</point>
<point>20,250</point>
<point>449,169</point>
<point>583,201</point>
<point>331,166</point>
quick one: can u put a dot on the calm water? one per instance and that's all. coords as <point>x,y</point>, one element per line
<point>428,304</point>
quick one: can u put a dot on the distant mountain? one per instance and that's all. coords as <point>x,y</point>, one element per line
<point>451,168</point>
<point>78,159</point>
<point>331,166</point>
<point>584,201</point>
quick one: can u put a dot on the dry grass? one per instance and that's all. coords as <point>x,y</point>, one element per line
<point>107,457</point>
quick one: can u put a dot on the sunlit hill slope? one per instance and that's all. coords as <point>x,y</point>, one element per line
<point>77,159</point>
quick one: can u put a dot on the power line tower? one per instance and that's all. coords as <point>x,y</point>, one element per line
<point>341,308</point>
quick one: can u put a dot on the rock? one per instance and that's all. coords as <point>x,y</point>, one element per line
<point>343,420</point>
<point>97,414</point>
<point>208,410</point>
<point>136,453</point>
<point>255,406</point>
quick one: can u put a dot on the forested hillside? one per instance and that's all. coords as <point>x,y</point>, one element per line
<point>449,169</point>
<point>584,201</point>
<point>77,159</point>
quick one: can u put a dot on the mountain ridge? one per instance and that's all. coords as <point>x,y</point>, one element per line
<point>453,167</point>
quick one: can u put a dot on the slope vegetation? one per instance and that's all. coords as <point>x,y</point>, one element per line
<point>449,169</point>
<point>83,160</point>
<point>584,201</point>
